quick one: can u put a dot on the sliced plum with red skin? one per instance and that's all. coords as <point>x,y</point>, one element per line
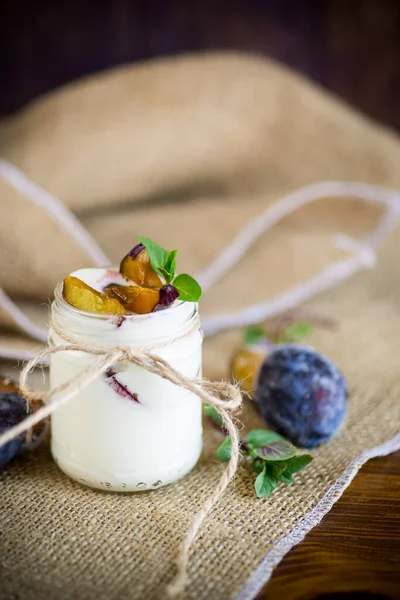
<point>143,300</point>
<point>134,298</point>
<point>136,267</point>
<point>136,250</point>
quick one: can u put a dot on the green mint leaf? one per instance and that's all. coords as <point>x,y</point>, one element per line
<point>164,263</point>
<point>258,465</point>
<point>262,437</point>
<point>285,476</point>
<point>170,265</point>
<point>297,463</point>
<point>161,271</point>
<point>224,451</point>
<point>279,450</point>
<point>253,335</point>
<point>212,413</point>
<point>251,451</point>
<point>157,254</point>
<point>188,288</point>
<point>297,331</point>
<point>275,469</point>
<point>293,465</point>
<point>264,484</point>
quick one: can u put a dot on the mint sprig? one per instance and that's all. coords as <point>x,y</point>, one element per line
<point>164,263</point>
<point>283,333</point>
<point>225,449</point>
<point>253,336</point>
<point>170,264</point>
<point>296,331</point>
<point>272,457</point>
<point>214,416</point>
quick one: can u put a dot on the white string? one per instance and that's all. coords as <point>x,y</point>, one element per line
<point>20,317</point>
<point>54,209</point>
<point>247,237</point>
<point>64,218</point>
<point>362,251</point>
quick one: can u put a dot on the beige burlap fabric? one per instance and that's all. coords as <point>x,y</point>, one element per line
<point>186,151</point>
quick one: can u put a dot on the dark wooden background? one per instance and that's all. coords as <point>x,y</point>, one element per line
<point>349,46</point>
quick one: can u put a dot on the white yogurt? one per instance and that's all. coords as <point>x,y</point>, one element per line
<point>129,430</point>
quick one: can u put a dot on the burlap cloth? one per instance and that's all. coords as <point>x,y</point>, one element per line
<point>186,151</point>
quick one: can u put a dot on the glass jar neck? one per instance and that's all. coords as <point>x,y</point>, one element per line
<point>131,329</point>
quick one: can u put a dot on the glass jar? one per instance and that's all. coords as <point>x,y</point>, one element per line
<point>129,430</point>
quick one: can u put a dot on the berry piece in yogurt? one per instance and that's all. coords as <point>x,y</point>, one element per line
<point>301,395</point>
<point>80,295</point>
<point>118,387</point>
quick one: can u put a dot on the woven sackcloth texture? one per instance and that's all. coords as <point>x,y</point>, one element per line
<point>59,540</point>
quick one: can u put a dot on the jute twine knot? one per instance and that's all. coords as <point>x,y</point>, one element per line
<point>224,397</point>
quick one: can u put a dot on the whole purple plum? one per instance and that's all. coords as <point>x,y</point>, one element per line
<point>13,409</point>
<point>301,395</point>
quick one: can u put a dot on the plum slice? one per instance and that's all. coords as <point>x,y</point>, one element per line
<point>245,366</point>
<point>143,300</point>
<point>80,295</point>
<point>135,298</point>
<point>136,267</point>
<point>168,295</point>
<point>149,294</point>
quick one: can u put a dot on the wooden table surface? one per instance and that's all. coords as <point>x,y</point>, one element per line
<point>355,551</point>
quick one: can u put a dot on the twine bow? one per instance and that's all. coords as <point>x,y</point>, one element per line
<point>224,397</point>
